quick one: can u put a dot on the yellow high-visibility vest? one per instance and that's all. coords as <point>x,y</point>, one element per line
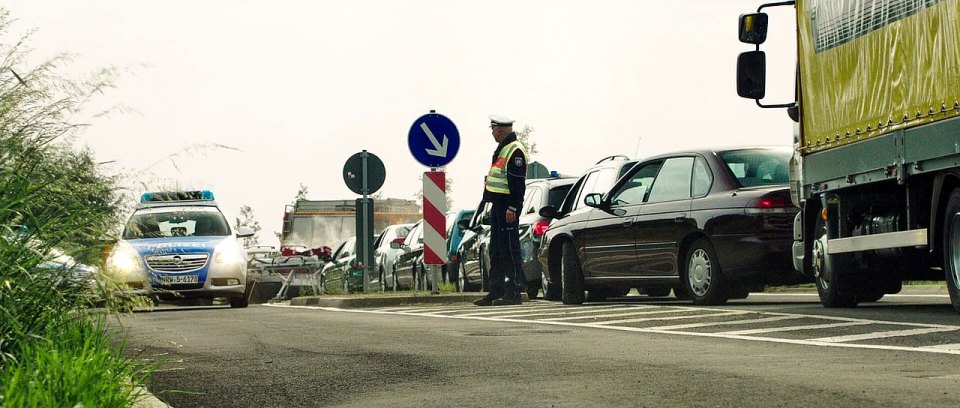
<point>497,177</point>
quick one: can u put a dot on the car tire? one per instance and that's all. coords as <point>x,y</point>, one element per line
<point>484,284</point>
<point>239,302</point>
<point>550,291</point>
<point>835,290</point>
<point>383,280</point>
<point>533,288</point>
<point>572,276</point>
<point>951,247</point>
<point>702,275</point>
<point>462,278</point>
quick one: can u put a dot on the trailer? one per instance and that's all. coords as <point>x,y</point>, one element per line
<point>876,168</point>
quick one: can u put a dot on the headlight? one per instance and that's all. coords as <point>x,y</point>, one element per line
<point>229,252</point>
<point>124,260</point>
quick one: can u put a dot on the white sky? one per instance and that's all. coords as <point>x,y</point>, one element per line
<point>298,86</point>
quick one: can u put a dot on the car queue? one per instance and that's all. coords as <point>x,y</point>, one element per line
<point>708,225</point>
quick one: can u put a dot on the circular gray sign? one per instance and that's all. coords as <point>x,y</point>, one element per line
<point>353,173</point>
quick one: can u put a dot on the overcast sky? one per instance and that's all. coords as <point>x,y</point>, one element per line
<point>296,87</point>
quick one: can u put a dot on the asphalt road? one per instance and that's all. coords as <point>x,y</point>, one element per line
<point>764,351</point>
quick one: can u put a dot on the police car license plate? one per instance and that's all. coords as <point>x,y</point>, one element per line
<point>179,279</point>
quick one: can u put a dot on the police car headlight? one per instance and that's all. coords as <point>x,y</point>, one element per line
<point>124,260</point>
<point>229,252</point>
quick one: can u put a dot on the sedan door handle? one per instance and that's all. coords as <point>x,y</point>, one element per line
<point>628,222</point>
<point>679,219</point>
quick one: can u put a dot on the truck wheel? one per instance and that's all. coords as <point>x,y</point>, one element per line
<point>571,275</point>
<point>702,275</point>
<point>951,247</point>
<point>835,289</point>
<point>550,291</point>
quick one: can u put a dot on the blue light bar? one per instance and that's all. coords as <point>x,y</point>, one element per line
<point>166,196</point>
<point>554,173</point>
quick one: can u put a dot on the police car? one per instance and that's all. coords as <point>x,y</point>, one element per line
<point>179,245</point>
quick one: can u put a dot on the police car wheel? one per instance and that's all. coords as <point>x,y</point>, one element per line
<point>238,302</point>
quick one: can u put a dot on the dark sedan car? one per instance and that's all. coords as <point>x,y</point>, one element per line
<point>596,179</point>
<point>713,225</point>
<point>472,251</point>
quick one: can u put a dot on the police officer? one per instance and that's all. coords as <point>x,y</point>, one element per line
<point>504,189</point>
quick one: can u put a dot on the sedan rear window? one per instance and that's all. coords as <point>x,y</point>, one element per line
<point>758,167</point>
<point>556,195</point>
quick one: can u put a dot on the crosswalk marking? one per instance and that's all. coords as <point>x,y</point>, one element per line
<point>653,319</point>
<point>725,323</point>
<point>794,328</point>
<point>572,310</point>
<point>604,316</point>
<point>881,335</point>
<point>574,316</point>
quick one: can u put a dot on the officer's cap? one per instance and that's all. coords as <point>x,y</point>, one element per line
<point>500,120</point>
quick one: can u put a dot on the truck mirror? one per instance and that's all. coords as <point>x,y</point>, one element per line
<point>752,74</point>
<point>753,28</point>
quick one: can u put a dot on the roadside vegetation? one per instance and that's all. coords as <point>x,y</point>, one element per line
<point>56,206</point>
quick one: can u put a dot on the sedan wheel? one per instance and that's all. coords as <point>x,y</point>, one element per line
<point>550,291</point>
<point>704,279</point>
<point>573,291</point>
<point>462,278</point>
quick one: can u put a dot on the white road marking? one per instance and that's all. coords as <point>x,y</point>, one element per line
<point>574,310</point>
<point>654,330</point>
<point>816,296</point>
<point>653,319</point>
<point>881,335</point>
<point>954,346</point>
<point>502,310</point>
<point>795,328</point>
<point>604,316</point>
<point>732,322</point>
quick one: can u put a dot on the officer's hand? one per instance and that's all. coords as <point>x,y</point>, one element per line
<point>511,216</point>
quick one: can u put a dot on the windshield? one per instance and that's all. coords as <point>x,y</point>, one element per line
<point>176,222</point>
<point>758,167</point>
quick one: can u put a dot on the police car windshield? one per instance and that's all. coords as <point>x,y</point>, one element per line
<point>176,222</point>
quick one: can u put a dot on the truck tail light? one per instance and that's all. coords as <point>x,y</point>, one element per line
<point>540,227</point>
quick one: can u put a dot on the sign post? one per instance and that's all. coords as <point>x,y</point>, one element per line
<point>434,141</point>
<point>364,174</point>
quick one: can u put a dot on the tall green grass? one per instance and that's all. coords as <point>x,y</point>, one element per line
<point>55,350</point>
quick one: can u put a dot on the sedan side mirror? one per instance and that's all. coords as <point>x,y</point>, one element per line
<point>549,211</point>
<point>397,242</point>
<point>464,223</point>
<point>594,200</point>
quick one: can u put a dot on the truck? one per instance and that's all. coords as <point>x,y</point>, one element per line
<point>318,223</point>
<point>876,163</point>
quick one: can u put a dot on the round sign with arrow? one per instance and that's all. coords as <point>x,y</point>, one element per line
<point>433,140</point>
<point>364,165</point>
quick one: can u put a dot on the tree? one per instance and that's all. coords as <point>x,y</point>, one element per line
<point>524,137</point>
<point>301,194</point>
<point>246,220</point>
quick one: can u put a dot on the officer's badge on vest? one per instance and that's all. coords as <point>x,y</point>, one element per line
<point>518,161</point>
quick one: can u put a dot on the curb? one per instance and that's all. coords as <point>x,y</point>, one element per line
<point>148,400</point>
<point>348,302</point>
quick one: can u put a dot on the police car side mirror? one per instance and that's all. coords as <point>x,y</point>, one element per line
<point>549,211</point>
<point>244,232</point>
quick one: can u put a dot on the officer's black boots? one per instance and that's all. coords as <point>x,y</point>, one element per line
<point>486,300</point>
<point>508,300</point>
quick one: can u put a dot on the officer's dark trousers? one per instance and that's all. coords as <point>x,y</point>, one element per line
<point>506,269</point>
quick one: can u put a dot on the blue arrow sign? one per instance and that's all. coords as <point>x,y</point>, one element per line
<point>433,140</point>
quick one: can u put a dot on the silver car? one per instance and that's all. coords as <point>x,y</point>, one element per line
<point>384,256</point>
